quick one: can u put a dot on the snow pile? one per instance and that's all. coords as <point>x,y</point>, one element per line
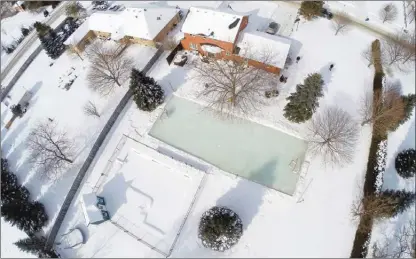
<point>211,48</point>
<point>264,47</point>
<point>381,164</point>
<point>218,25</point>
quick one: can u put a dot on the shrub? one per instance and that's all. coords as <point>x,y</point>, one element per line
<point>147,93</point>
<point>311,9</point>
<point>25,31</point>
<point>220,228</point>
<point>42,29</point>
<point>406,163</point>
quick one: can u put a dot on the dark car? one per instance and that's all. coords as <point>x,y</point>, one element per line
<point>273,28</point>
<point>327,14</point>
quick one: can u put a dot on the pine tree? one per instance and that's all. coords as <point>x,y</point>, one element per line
<point>11,191</point>
<point>53,45</point>
<point>33,245</point>
<point>303,103</point>
<point>395,202</point>
<point>406,163</point>
<point>147,93</point>
<point>311,9</point>
<point>220,228</point>
<point>25,31</point>
<point>27,216</point>
<point>42,29</point>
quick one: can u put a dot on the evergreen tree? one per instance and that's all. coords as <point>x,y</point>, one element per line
<point>11,191</point>
<point>220,228</point>
<point>17,110</point>
<point>33,245</point>
<point>42,29</point>
<point>311,9</point>
<point>53,45</point>
<point>27,216</point>
<point>25,31</point>
<point>147,93</point>
<point>4,165</point>
<point>303,103</point>
<point>395,202</point>
<point>406,163</point>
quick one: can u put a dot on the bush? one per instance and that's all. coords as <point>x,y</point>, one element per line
<point>42,29</point>
<point>147,93</point>
<point>25,31</point>
<point>74,9</point>
<point>406,163</point>
<point>311,9</point>
<point>220,228</point>
<point>303,103</point>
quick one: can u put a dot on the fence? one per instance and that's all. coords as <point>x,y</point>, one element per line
<point>25,65</point>
<point>98,143</point>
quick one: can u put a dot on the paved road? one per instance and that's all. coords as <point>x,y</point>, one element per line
<point>30,39</point>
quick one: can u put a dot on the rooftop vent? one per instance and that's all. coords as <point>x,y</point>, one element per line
<point>233,24</point>
<point>158,18</point>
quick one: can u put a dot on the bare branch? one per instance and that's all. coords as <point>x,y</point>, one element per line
<point>50,149</point>
<point>233,86</point>
<point>90,109</point>
<point>340,23</point>
<point>109,66</point>
<point>383,110</point>
<point>388,13</point>
<point>333,135</point>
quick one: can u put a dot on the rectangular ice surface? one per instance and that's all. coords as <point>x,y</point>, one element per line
<point>250,150</point>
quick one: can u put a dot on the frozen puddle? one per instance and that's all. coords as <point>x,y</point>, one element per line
<point>253,151</point>
<point>149,194</point>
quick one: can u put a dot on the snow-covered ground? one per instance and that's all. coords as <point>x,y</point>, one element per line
<point>66,109</point>
<point>275,225</point>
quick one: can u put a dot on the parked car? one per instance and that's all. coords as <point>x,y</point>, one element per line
<point>326,14</point>
<point>273,28</point>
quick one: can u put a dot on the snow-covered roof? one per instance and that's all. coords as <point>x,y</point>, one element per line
<point>144,23</point>
<point>262,47</point>
<point>210,48</point>
<point>219,25</point>
<point>91,211</point>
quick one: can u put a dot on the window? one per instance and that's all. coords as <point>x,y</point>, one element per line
<point>211,55</point>
<point>193,46</point>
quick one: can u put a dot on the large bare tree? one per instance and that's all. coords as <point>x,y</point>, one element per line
<point>110,66</point>
<point>383,109</point>
<point>50,148</point>
<point>340,23</point>
<point>388,12</point>
<point>333,134</point>
<point>233,86</point>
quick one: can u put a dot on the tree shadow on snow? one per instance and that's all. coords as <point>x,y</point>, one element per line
<point>246,198</point>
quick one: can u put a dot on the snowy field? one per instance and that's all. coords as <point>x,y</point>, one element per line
<point>317,219</point>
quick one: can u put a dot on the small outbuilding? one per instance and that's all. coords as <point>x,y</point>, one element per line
<point>94,209</point>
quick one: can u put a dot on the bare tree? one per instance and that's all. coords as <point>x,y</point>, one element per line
<point>399,245</point>
<point>109,66</point>
<point>233,86</point>
<point>90,109</point>
<point>340,23</point>
<point>388,13</point>
<point>333,135</point>
<point>75,9</point>
<point>383,110</point>
<point>50,148</point>
<point>169,43</point>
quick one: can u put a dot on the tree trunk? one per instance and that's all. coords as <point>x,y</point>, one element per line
<point>117,82</point>
<point>79,56</point>
<point>67,160</point>
<point>9,124</point>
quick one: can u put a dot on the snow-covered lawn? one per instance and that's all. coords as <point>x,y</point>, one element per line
<point>66,109</point>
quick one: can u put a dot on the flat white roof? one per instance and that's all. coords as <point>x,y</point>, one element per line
<point>91,211</point>
<point>256,45</point>
<point>144,23</point>
<point>212,23</point>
